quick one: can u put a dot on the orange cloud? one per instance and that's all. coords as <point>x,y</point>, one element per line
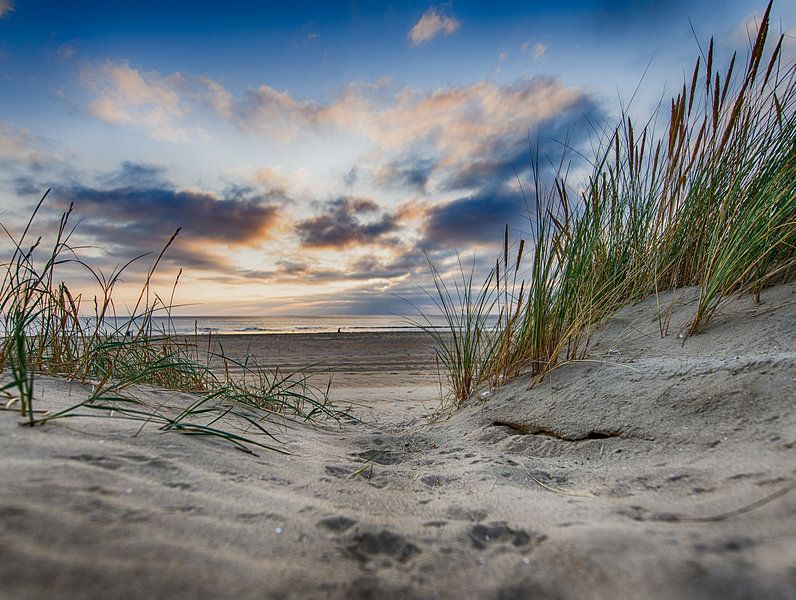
<point>454,124</point>
<point>412,211</point>
<point>457,122</point>
<point>277,114</point>
<point>144,99</point>
<point>430,25</point>
<point>418,138</point>
<point>460,121</point>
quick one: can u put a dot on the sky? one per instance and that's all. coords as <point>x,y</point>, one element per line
<point>318,154</point>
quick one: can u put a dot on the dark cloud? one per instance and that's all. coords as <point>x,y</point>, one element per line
<point>133,174</point>
<point>498,166</point>
<point>409,173</point>
<point>500,162</point>
<point>407,261</point>
<point>475,219</point>
<point>289,271</point>
<point>191,257</point>
<point>135,210</point>
<point>27,186</point>
<point>497,160</point>
<point>132,216</point>
<point>346,221</point>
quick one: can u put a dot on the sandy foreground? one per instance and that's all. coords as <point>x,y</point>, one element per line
<point>655,469</point>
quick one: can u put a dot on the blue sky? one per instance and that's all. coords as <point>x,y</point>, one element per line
<point>314,152</point>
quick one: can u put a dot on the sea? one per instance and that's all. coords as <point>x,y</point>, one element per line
<point>204,325</point>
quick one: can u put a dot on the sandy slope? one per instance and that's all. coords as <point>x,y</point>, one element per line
<point>621,476</point>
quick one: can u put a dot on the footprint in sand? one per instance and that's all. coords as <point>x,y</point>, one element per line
<point>366,545</point>
<point>180,485</point>
<point>337,523</point>
<point>437,480</point>
<point>498,532</point>
<point>338,470</point>
<point>381,456</point>
<point>459,513</point>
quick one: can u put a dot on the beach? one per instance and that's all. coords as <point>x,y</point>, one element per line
<point>363,301</point>
<point>658,468</point>
<point>371,372</point>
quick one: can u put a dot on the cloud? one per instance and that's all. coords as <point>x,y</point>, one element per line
<point>28,163</point>
<point>457,138</point>
<point>19,147</point>
<point>292,271</point>
<point>143,99</point>
<point>273,178</point>
<point>399,291</point>
<point>537,50</point>
<point>401,262</point>
<point>345,222</point>
<point>430,25</point>
<point>220,99</point>
<point>463,142</point>
<point>135,210</point>
<point>24,185</point>
<point>6,8</point>
<point>506,125</point>
<point>136,175</point>
<point>370,267</point>
<point>477,219</point>
<point>277,114</point>
<point>501,160</point>
<point>449,126</point>
<point>459,122</point>
<point>410,173</point>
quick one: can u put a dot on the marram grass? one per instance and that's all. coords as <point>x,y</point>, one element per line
<point>710,202</point>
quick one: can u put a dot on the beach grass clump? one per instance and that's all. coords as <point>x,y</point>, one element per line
<point>45,332</point>
<point>464,345</point>
<point>710,201</point>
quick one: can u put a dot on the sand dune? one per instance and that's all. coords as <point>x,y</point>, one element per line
<point>658,468</point>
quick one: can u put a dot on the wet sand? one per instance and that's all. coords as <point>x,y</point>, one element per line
<point>372,371</point>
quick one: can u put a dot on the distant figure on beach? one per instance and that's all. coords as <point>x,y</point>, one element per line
<point>338,329</point>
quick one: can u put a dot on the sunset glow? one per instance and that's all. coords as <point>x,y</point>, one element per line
<point>315,153</point>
